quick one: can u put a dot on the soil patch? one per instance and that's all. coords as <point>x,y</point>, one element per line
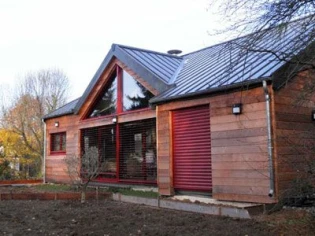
<point>107,217</point>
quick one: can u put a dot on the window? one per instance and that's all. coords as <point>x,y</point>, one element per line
<point>137,155</point>
<point>106,104</point>
<point>135,95</point>
<point>123,93</point>
<point>104,139</point>
<point>127,151</point>
<point>58,143</point>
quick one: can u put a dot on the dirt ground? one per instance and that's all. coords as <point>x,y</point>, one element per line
<point>114,218</point>
<point>107,217</point>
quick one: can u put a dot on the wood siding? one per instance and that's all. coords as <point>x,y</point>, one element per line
<point>238,151</point>
<point>55,167</point>
<point>294,130</point>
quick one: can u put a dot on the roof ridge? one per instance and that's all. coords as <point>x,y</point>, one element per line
<point>149,51</point>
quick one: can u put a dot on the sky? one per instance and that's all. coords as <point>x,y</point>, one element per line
<point>76,35</point>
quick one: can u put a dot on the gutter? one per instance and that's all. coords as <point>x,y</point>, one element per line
<point>44,163</point>
<point>270,146</point>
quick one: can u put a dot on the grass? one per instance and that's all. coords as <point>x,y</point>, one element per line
<point>53,187</point>
<point>123,191</point>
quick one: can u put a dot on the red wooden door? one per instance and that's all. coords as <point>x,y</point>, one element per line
<point>192,149</point>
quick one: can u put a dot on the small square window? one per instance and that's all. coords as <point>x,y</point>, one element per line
<point>58,143</point>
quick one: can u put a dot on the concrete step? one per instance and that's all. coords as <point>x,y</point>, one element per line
<point>198,205</point>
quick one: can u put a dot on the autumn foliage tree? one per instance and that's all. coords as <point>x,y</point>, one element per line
<point>13,151</point>
<point>36,94</point>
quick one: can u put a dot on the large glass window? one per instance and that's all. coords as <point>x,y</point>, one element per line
<point>123,93</point>
<point>137,160</point>
<point>135,95</point>
<point>136,154</point>
<point>107,103</point>
<point>58,142</point>
<point>104,139</point>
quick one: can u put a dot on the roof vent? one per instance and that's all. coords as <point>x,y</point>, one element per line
<point>174,52</point>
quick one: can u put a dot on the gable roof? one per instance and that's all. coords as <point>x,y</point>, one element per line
<point>162,65</point>
<point>154,67</point>
<point>240,62</point>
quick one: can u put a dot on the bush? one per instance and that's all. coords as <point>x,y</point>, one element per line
<point>5,170</point>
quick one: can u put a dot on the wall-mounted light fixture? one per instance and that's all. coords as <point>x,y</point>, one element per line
<point>114,120</point>
<point>237,109</point>
<point>56,123</point>
<point>313,115</point>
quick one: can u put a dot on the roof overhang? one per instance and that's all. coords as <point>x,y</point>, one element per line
<point>212,91</point>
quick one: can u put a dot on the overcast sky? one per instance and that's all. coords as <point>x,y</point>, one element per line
<point>76,35</point>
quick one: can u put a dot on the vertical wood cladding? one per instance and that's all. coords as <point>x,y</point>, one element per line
<point>238,146</point>
<point>295,129</point>
<point>165,175</point>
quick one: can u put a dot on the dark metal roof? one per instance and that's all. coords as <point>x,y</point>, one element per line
<point>237,61</point>
<point>64,110</point>
<point>161,64</point>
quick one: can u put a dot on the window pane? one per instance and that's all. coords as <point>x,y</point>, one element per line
<point>104,139</point>
<point>108,151</point>
<point>135,96</point>
<point>138,150</point>
<point>107,103</point>
<point>63,144</point>
<point>58,142</point>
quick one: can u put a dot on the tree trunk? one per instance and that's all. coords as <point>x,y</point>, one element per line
<point>83,193</point>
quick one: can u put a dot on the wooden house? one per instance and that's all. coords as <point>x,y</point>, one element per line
<point>220,121</point>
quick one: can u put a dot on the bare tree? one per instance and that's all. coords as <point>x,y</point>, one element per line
<point>247,16</point>
<point>50,87</point>
<point>255,16</point>
<point>82,170</point>
<point>36,94</point>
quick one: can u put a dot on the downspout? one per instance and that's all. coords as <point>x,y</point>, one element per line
<point>270,147</point>
<point>44,163</point>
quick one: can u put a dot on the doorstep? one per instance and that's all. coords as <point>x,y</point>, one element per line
<point>198,205</point>
<point>243,210</point>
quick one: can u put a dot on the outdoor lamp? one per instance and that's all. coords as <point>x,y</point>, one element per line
<point>56,123</point>
<point>313,115</point>
<point>237,109</point>
<point>114,120</point>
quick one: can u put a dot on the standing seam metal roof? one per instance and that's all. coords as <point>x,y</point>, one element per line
<point>218,67</point>
<point>234,62</point>
<point>64,110</point>
<point>163,65</point>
